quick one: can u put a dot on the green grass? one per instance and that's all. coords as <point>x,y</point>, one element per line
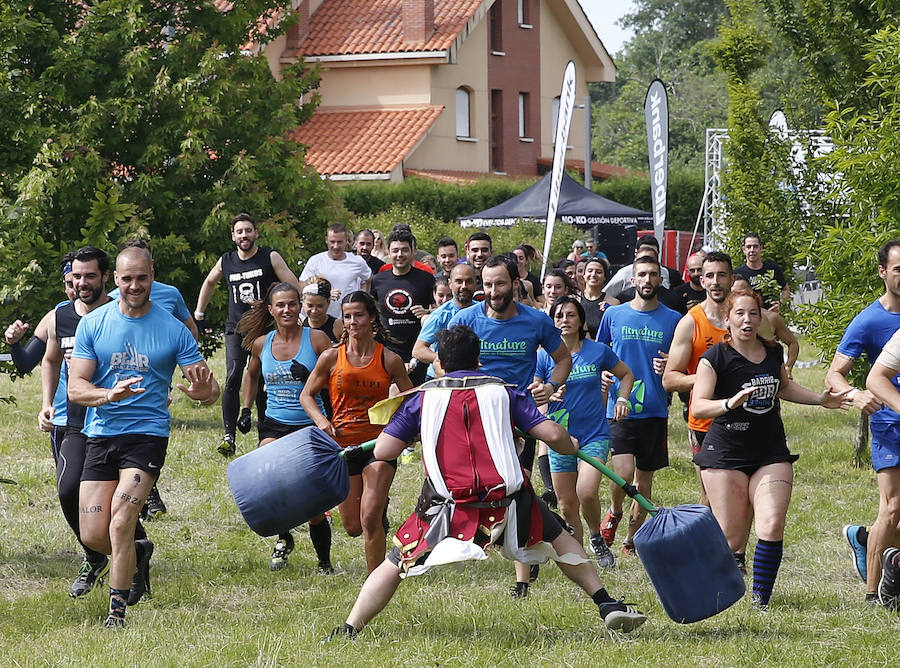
<point>215,601</point>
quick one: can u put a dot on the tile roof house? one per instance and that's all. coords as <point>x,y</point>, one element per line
<point>439,86</point>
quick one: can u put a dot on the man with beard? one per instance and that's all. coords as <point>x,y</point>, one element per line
<point>462,286</point>
<point>510,334</point>
<point>755,266</point>
<point>121,368</point>
<point>640,333</point>
<point>365,242</point>
<point>402,295</point>
<point>697,332</point>
<point>479,247</point>
<point>248,271</point>
<point>89,272</point>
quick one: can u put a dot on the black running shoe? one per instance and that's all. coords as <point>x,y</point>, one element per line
<point>283,547</point>
<point>519,590</point>
<point>114,622</point>
<point>140,585</point>
<point>89,575</point>
<point>345,630</point>
<point>324,569</point>
<point>889,586</point>
<point>620,616</point>
<point>154,507</point>
<point>533,571</point>
<point>226,448</point>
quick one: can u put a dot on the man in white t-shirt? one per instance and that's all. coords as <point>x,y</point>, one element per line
<point>346,272</point>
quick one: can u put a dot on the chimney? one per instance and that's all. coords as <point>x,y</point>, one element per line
<point>417,20</point>
<point>299,31</point>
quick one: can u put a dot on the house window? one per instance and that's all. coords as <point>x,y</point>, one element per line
<point>522,12</point>
<point>463,112</point>
<point>554,114</point>
<point>524,121</point>
<point>497,131</point>
<point>496,29</point>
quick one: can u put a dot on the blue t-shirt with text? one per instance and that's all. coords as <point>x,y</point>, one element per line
<point>581,412</point>
<point>867,333</point>
<point>509,347</point>
<point>151,347</point>
<point>167,296</point>
<point>637,337</point>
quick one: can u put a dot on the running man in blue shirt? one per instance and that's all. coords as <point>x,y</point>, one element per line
<point>867,333</point>
<point>121,368</point>
<point>640,333</point>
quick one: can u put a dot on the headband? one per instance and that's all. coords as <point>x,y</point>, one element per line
<point>316,289</point>
<point>67,268</point>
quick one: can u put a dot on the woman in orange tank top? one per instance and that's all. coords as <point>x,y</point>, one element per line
<point>358,373</point>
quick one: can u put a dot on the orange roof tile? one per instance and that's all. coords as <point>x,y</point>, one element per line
<point>370,141</point>
<point>342,27</point>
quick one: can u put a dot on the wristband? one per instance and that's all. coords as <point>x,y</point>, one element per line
<point>725,405</point>
<point>198,315</point>
<point>108,399</point>
<point>622,399</point>
<point>852,392</point>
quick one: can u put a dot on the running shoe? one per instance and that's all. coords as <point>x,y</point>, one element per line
<point>283,547</point>
<point>89,575</point>
<point>609,525</point>
<point>858,550</point>
<point>740,559</point>
<point>114,622</point>
<point>345,630</point>
<point>620,616</point>
<point>889,585</point>
<point>140,585</point>
<point>628,548</point>
<point>533,571</point>
<point>226,448</point>
<point>605,556</point>
<point>154,507</point>
<point>519,590</point>
<point>324,569</point>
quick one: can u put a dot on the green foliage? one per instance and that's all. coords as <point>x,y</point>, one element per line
<point>684,196</point>
<point>128,117</point>
<point>858,211</point>
<point>428,229</point>
<point>443,201</point>
<point>758,186</point>
<point>672,41</point>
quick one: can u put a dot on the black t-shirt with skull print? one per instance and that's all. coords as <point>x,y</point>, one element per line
<point>248,281</point>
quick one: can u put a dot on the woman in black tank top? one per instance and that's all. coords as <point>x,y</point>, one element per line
<point>316,297</point>
<point>745,464</point>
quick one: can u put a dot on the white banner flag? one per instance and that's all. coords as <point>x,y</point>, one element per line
<point>566,105</point>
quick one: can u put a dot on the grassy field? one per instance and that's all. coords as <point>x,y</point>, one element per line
<point>216,603</point>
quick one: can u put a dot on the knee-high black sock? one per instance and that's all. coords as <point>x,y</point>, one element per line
<point>766,560</point>
<point>320,535</point>
<point>139,532</point>
<point>544,468</point>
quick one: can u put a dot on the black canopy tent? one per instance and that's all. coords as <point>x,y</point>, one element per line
<point>614,226</point>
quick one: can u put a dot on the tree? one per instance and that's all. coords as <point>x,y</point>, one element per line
<point>126,117</point>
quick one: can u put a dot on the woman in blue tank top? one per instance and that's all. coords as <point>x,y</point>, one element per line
<point>283,358</point>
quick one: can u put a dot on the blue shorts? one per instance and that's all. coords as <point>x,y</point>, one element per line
<point>569,463</point>
<point>885,444</point>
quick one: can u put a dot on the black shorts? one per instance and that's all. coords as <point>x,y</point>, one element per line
<point>270,428</point>
<point>105,457</point>
<point>645,438</point>
<point>356,465</point>
<point>749,468</point>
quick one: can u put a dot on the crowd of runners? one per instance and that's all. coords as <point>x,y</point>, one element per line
<point>497,368</point>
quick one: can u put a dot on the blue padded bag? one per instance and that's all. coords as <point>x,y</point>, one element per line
<point>289,481</point>
<point>689,563</point>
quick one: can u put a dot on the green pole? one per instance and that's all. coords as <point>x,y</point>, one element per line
<point>368,445</point>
